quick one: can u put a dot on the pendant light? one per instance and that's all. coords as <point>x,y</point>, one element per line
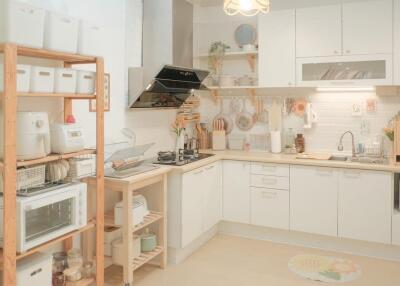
<point>246,7</point>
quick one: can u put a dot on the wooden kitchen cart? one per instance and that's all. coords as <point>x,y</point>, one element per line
<point>9,100</point>
<point>153,185</point>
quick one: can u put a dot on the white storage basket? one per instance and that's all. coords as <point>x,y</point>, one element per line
<point>42,79</point>
<point>28,177</point>
<point>90,39</point>
<point>86,82</point>
<point>64,80</point>
<point>61,33</point>
<point>81,167</point>
<point>23,78</point>
<point>23,24</point>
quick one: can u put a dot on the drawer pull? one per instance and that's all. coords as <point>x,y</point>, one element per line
<point>269,169</point>
<point>210,167</point>
<point>269,194</point>
<point>268,181</point>
<point>44,73</point>
<point>324,173</point>
<point>21,72</point>
<point>352,175</point>
<point>67,75</point>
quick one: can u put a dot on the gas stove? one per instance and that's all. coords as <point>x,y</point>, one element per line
<point>183,157</point>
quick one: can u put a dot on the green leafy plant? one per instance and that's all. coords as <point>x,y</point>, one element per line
<point>216,55</point>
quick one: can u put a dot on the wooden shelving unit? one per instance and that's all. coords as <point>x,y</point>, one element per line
<point>9,164</point>
<point>146,257</point>
<point>83,282</point>
<point>148,220</point>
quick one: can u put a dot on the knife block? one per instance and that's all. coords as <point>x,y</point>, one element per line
<point>219,140</point>
<point>396,141</point>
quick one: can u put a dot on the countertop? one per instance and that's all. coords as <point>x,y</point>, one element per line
<point>264,157</point>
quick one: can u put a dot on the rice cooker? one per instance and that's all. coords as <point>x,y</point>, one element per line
<point>33,135</point>
<point>66,138</point>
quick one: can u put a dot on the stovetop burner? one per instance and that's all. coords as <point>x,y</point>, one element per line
<point>183,157</point>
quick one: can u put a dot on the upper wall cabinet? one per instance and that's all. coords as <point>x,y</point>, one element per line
<point>319,31</point>
<point>368,27</point>
<point>277,53</point>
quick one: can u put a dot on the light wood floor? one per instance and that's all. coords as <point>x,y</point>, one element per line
<point>233,261</point>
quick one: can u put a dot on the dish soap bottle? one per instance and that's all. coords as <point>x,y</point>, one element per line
<point>300,143</point>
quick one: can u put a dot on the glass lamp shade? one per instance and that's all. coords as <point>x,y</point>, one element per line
<point>246,7</point>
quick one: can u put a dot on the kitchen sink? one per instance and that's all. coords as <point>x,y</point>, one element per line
<point>339,158</point>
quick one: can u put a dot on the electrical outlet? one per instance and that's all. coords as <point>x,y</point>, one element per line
<point>365,127</point>
<point>356,110</point>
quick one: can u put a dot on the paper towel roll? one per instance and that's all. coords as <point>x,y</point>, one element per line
<point>276,142</point>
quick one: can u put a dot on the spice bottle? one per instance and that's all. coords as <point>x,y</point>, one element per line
<point>300,143</point>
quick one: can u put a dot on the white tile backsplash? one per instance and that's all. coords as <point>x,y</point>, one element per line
<point>335,116</point>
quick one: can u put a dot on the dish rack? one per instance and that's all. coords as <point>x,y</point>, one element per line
<point>29,177</point>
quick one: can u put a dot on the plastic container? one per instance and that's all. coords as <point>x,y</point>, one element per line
<point>118,252</point>
<point>148,241</point>
<point>64,80</point>
<point>90,38</point>
<point>86,82</point>
<point>138,213</point>
<point>112,233</point>
<point>23,78</point>
<point>81,167</point>
<point>61,33</point>
<point>42,79</point>
<point>74,258</point>
<point>24,24</point>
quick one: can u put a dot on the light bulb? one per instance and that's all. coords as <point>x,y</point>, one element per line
<point>246,5</point>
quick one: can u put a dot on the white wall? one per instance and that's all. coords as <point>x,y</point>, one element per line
<point>121,45</point>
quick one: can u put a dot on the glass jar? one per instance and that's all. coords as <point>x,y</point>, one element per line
<point>300,143</point>
<point>59,262</point>
<point>75,259</point>
<point>87,270</point>
<point>289,138</point>
<point>58,279</point>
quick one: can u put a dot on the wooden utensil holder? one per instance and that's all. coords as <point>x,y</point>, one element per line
<point>219,140</point>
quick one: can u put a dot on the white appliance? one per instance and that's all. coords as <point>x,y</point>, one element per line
<point>66,138</point>
<point>32,127</point>
<point>61,33</point>
<point>46,216</point>
<point>138,212</point>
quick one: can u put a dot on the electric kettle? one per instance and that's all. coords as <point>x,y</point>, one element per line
<point>33,135</point>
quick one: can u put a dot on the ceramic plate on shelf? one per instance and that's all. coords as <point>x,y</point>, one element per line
<point>245,34</point>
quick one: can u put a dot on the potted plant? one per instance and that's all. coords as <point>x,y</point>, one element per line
<point>216,55</point>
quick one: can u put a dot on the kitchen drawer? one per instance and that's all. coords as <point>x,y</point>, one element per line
<point>270,169</point>
<point>270,182</point>
<point>270,208</point>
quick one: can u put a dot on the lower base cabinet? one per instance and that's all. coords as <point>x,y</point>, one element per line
<point>270,208</point>
<point>365,205</point>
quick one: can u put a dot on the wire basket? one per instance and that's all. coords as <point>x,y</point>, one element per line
<point>29,177</point>
<point>80,167</point>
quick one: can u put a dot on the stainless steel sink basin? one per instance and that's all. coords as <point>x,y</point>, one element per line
<point>339,158</point>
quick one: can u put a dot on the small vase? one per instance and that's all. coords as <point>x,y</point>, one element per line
<point>180,142</point>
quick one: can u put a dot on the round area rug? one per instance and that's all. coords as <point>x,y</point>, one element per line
<point>324,269</point>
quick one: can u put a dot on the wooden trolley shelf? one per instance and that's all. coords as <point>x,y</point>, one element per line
<point>146,257</point>
<point>91,224</point>
<point>83,282</point>
<point>58,95</point>
<point>152,217</point>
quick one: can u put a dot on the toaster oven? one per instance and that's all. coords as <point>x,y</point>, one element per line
<point>46,216</point>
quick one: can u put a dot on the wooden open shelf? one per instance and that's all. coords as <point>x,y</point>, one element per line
<point>146,257</point>
<point>58,95</point>
<point>233,54</point>
<point>54,55</point>
<point>149,219</point>
<point>83,282</point>
<point>91,224</point>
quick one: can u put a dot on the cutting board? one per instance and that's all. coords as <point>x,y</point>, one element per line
<point>314,156</point>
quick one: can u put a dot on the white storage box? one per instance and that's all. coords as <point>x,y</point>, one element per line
<point>64,80</point>
<point>33,270</point>
<point>138,213</point>
<point>118,252</point>
<point>81,167</point>
<point>86,82</point>
<point>61,33</point>
<point>112,233</point>
<point>90,39</point>
<point>23,78</point>
<point>23,24</point>
<point>42,79</point>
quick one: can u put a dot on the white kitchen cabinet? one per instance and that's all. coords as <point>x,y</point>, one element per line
<point>277,48</point>
<point>368,27</point>
<point>270,208</point>
<point>396,39</point>
<point>236,191</point>
<point>192,206</point>
<point>313,200</point>
<point>365,205</point>
<point>211,187</point>
<point>319,31</point>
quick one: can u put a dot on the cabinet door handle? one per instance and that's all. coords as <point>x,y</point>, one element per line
<point>352,174</point>
<point>210,167</point>
<point>268,181</point>
<point>269,194</point>
<point>269,168</point>
<point>348,51</point>
<point>335,52</point>
<point>324,173</point>
<point>198,172</point>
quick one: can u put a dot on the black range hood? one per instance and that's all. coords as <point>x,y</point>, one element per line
<point>171,87</point>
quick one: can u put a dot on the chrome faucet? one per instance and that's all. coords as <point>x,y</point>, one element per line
<point>353,149</point>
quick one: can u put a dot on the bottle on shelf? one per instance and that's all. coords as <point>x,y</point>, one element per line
<point>300,143</point>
